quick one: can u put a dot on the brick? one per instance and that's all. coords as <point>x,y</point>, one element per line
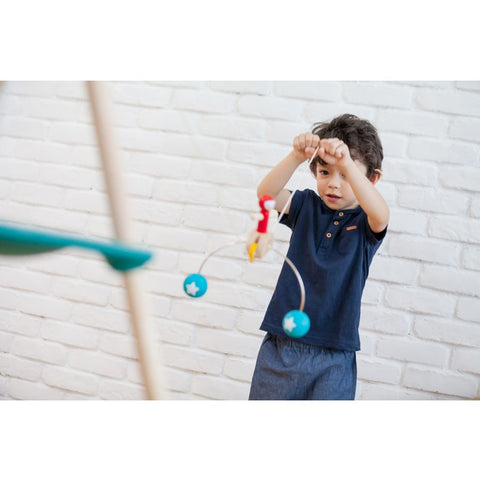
<point>68,334</point>
<point>264,274</point>
<point>249,322</point>
<point>468,85</point>
<point>413,122</point>
<point>270,107</point>
<point>15,322</point>
<point>198,193</point>
<point>20,368</point>
<point>155,165</point>
<point>235,128</point>
<point>136,94</point>
<point>32,88</point>
<point>36,194</point>
<point>203,101</point>
<point>118,345</point>
<point>67,380</point>
<point>374,391</point>
<point>394,144</point>
<point>83,292</point>
<point>454,228</point>
<point>40,350</point>
<point>98,363</point>
<point>409,172</point>
<point>257,154</point>
<point>239,369</point>
<point>448,331</point>
<point>439,382</point>
<point>222,269</point>
<point>216,173</point>
<point>475,207</point>
<point>448,101</point>
<point>100,318</point>
<point>192,359</point>
<point>406,221</point>
<point>155,212</point>
<point>20,170</point>
<point>378,370</point>
<point>409,350</point>
<point>256,87</point>
<point>242,296</point>
<point>468,308</point>
<point>6,340</point>
<point>24,280</point>
<point>419,300</point>
<point>328,91</point>
<point>25,390</point>
<point>283,132</point>
<point>25,127</point>
<point>450,280</point>
<point>227,342</point>
<point>384,321</point>
<point>378,93</point>
<point>203,314</point>
<point>177,381</point>
<point>216,220</point>
<point>168,120</point>
<point>394,270</point>
<point>175,332</point>
<point>424,249</point>
<point>219,388</point>
<point>443,151</point>
<point>432,200</point>
<point>465,129</point>
<point>113,390</point>
<point>86,201</point>
<point>372,293</point>
<point>45,306</point>
<point>466,360</point>
<point>460,178</point>
<point>177,238</point>
<point>324,111</point>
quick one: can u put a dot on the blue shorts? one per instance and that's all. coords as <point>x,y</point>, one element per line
<point>290,370</point>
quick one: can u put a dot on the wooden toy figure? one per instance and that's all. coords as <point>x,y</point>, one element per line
<point>259,240</point>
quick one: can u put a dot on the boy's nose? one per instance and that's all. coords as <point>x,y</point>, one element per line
<point>334,181</point>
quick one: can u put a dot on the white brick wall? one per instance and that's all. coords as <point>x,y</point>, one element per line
<point>193,153</point>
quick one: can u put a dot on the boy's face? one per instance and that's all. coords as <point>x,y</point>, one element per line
<point>334,189</point>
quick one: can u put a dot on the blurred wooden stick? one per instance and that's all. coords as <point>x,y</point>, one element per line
<point>148,348</point>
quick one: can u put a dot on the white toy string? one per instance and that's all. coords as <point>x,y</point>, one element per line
<point>293,193</point>
<point>289,262</point>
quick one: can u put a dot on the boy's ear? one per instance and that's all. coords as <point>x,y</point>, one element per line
<point>377,174</point>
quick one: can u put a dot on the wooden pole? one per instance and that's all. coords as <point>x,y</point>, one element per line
<point>148,349</point>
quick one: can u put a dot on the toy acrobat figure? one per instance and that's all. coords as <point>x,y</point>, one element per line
<point>259,241</point>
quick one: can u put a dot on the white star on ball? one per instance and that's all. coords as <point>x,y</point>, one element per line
<point>192,289</point>
<point>289,324</point>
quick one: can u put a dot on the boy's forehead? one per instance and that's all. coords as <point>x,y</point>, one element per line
<point>322,165</point>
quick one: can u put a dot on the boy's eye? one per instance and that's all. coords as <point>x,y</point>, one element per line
<point>323,172</point>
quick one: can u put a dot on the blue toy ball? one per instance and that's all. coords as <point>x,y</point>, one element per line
<point>195,285</point>
<point>296,323</point>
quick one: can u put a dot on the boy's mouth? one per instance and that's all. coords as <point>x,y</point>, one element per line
<point>332,197</point>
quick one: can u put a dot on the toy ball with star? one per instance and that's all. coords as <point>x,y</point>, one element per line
<point>195,285</point>
<point>296,323</point>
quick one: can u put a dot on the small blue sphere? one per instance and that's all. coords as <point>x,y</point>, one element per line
<point>195,285</point>
<point>296,324</point>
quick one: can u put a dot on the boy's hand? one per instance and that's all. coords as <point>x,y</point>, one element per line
<point>334,152</point>
<point>304,145</point>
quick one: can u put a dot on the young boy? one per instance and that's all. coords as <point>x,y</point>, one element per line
<point>335,235</point>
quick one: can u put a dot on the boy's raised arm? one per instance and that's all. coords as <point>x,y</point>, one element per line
<point>274,182</point>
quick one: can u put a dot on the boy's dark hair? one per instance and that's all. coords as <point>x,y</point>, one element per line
<point>360,136</point>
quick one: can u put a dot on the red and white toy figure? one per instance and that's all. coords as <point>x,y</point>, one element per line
<point>259,240</point>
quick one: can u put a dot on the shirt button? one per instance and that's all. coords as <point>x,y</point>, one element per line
<point>329,235</point>
<point>336,222</point>
<point>340,214</point>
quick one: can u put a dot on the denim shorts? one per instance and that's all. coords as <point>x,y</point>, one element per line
<point>290,370</point>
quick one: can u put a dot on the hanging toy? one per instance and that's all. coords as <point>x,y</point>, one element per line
<point>295,323</point>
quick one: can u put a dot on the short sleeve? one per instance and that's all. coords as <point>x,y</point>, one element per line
<point>296,204</point>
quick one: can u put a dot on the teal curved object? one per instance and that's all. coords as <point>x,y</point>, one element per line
<point>20,240</point>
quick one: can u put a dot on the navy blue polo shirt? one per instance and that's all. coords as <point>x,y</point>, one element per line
<point>332,250</point>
